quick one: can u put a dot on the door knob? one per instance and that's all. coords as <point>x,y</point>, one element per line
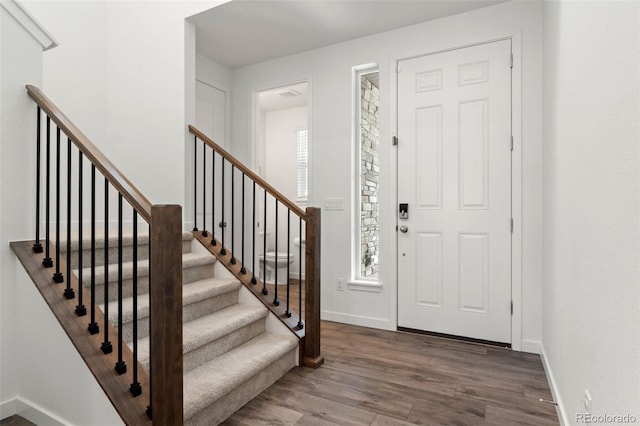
<point>404,229</point>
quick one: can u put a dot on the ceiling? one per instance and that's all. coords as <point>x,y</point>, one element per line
<point>285,97</point>
<point>244,32</point>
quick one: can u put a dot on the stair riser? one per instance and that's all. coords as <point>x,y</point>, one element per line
<point>127,289</point>
<point>208,306</point>
<point>189,275</point>
<point>127,254</point>
<point>224,407</point>
<point>189,313</point>
<point>206,353</point>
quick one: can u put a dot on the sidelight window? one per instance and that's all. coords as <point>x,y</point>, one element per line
<point>368,172</point>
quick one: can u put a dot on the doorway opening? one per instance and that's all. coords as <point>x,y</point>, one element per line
<point>282,145</point>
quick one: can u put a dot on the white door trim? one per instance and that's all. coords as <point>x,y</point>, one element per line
<point>516,171</point>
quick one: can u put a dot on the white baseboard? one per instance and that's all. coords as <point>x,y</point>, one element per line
<point>363,321</point>
<point>7,408</point>
<point>531,346</point>
<point>30,411</point>
<point>555,392</point>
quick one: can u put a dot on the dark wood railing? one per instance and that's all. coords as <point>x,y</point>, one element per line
<point>112,362</point>
<point>224,191</point>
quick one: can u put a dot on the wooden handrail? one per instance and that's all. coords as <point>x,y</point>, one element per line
<point>102,163</point>
<point>247,171</point>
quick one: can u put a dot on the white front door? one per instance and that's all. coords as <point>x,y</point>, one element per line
<point>454,173</point>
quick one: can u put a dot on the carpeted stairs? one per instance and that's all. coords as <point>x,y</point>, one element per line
<point>229,355</point>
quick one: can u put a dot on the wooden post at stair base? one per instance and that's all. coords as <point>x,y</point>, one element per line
<point>312,357</point>
<point>166,314</point>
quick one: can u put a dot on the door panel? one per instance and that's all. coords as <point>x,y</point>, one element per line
<point>454,171</point>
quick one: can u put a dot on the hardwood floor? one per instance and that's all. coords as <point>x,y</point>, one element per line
<point>16,420</point>
<point>375,377</point>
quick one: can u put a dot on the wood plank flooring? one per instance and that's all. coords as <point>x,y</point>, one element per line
<point>375,377</point>
<point>16,420</point>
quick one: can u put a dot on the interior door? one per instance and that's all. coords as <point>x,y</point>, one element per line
<point>454,175</point>
<point>211,119</point>
<point>211,111</point>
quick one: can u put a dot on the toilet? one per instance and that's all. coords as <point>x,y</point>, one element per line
<point>274,261</point>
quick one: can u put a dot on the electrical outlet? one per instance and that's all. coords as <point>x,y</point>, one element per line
<point>340,284</point>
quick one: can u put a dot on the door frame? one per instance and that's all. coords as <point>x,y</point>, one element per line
<point>516,169</point>
<point>255,144</point>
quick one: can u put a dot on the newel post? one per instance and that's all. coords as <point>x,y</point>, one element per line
<point>166,314</point>
<point>312,357</point>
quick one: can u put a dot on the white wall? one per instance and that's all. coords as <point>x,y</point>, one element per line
<point>591,310</point>
<point>21,62</point>
<point>42,377</point>
<point>75,72</point>
<point>281,148</point>
<point>126,72</point>
<point>55,386</point>
<point>329,71</point>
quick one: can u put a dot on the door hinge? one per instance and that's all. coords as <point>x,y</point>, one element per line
<point>512,308</point>
<point>512,225</point>
<point>511,60</point>
<point>512,143</point>
<point>398,68</point>
<point>394,140</point>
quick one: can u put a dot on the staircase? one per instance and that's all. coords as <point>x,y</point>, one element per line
<point>229,355</point>
<point>176,327</point>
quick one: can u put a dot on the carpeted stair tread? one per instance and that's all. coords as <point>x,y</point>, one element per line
<point>191,293</point>
<point>211,327</point>
<point>127,240</point>
<point>189,260</point>
<point>208,329</point>
<point>206,384</point>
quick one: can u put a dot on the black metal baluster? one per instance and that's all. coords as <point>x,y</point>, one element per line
<point>80,308</point>
<point>195,183</point>
<point>264,248</point>
<point>121,366</point>
<point>93,327</point>
<point>47,262</point>
<point>106,347</point>
<point>300,323</point>
<point>204,190</point>
<point>68,291</point>
<point>253,245</point>
<point>223,223</point>
<point>135,387</point>
<point>233,215</point>
<point>276,302</point>
<point>243,270</point>
<point>213,198</point>
<point>37,246</point>
<point>287,312</point>
<point>57,276</point>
